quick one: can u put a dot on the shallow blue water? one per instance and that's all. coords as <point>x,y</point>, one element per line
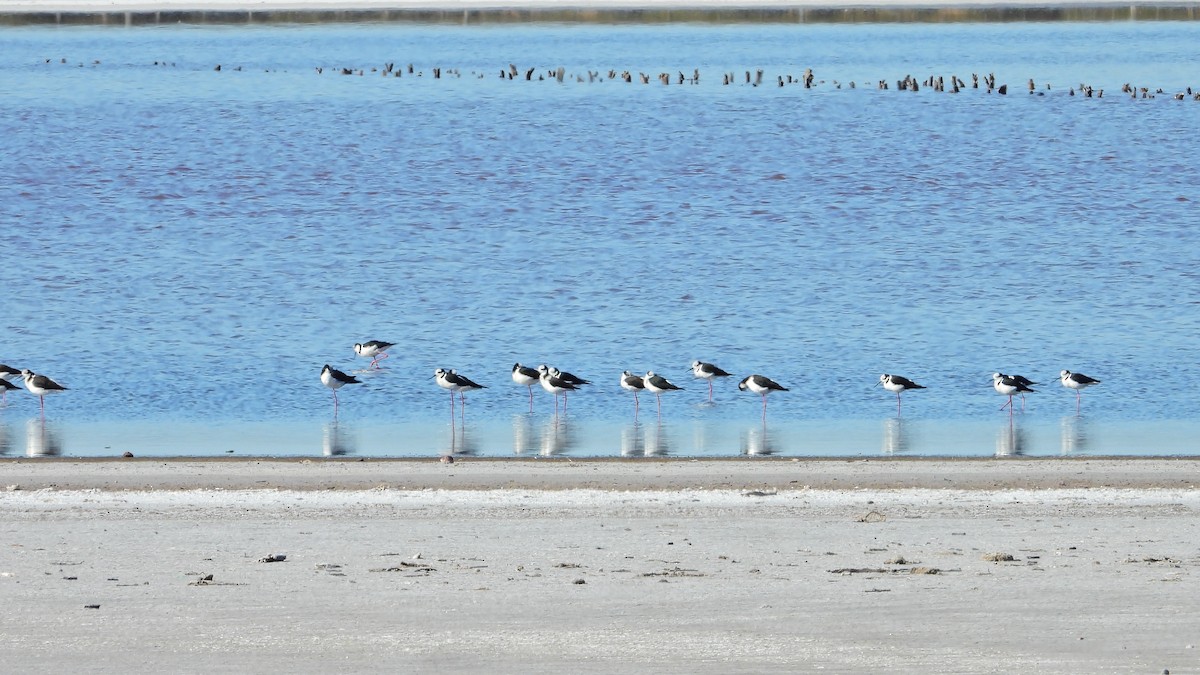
<point>184,248</point>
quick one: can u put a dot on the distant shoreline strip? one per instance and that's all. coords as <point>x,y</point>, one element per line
<point>488,16</point>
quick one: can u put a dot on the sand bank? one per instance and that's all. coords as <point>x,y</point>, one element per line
<point>679,566</point>
<point>600,474</point>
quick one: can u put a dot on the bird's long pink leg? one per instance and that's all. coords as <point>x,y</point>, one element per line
<point>897,404</point>
<point>530,398</point>
<point>1007,405</point>
<point>764,408</point>
<point>710,391</point>
<point>659,397</point>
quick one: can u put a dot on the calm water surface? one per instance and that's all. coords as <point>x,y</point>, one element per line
<point>185,248</point>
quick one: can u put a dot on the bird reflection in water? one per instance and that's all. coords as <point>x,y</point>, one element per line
<point>557,437</point>
<point>1010,440</point>
<point>42,439</point>
<point>758,442</point>
<point>631,440</point>
<point>5,440</point>
<point>1075,435</point>
<point>524,440</point>
<point>657,442</point>
<point>895,437</point>
<point>461,443</point>
<point>337,440</point>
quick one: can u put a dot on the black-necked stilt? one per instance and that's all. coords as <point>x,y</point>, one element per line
<point>7,373</point>
<point>525,376</point>
<point>464,384</point>
<point>39,386</point>
<point>568,377</point>
<point>6,387</point>
<point>1023,381</point>
<point>761,385</point>
<point>335,379</point>
<point>375,350</point>
<point>897,384</point>
<point>450,379</point>
<point>1078,382</point>
<point>707,371</point>
<point>553,382</point>
<point>1009,385</point>
<point>634,383</point>
<point>657,384</point>
<point>442,377</point>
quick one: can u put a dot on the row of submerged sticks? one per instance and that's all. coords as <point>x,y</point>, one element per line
<point>756,78</point>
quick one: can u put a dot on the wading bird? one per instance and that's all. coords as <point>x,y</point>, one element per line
<point>761,385</point>
<point>374,350</point>
<point>707,371</point>
<point>657,384</point>
<point>1078,382</point>
<point>335,379</point>
<point>897,384</point>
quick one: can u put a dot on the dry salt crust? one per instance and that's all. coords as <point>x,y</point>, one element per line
<point>666,566</point>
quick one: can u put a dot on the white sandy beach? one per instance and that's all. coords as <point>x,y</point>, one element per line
<point>606,566</point>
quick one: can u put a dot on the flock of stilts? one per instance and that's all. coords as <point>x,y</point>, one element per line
<point>560,383</point>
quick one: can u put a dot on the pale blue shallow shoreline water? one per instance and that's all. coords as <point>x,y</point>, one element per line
<point>528,436</point>
<point>184,248</point>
